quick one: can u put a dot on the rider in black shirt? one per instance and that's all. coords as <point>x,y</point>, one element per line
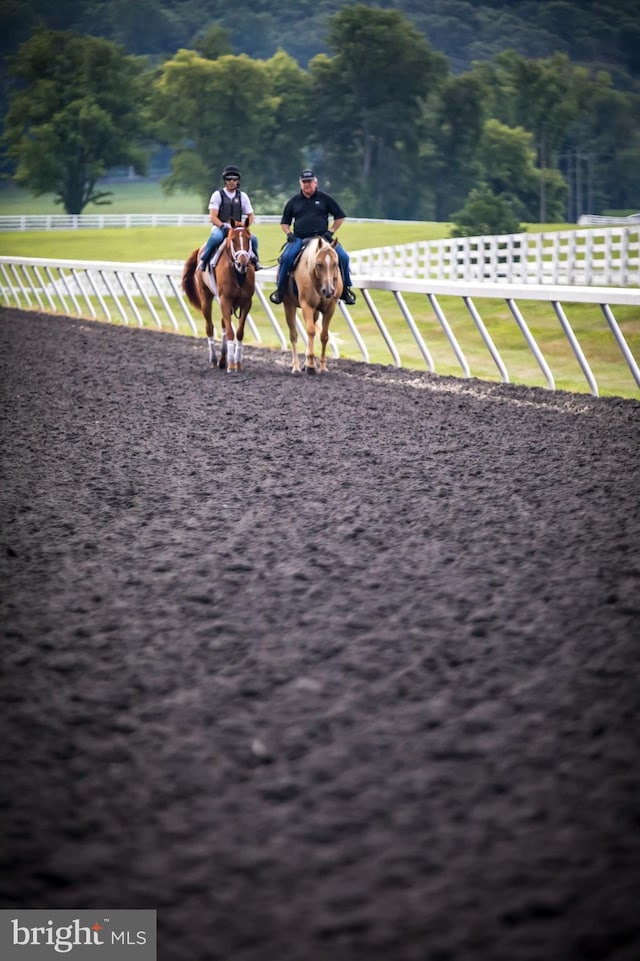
<point>309,212</point>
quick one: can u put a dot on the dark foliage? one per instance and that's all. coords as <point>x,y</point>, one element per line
<point>588,31</point>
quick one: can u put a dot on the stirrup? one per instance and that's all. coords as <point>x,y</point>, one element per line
<point>275,297</point>
<point>348,296</point>
<point>203,265</point>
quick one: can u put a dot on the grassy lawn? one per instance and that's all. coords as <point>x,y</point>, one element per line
<point>135,197</point>
<point>592,331</point>
<point>176,243</point>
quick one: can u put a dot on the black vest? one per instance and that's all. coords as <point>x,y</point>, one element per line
<point>230,209</point>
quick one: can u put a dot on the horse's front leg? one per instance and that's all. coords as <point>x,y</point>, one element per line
<point>324,335</point>
<point>290,314</point>
<point>310,316</point>
<point>240,337</point>
<point>228,352</point>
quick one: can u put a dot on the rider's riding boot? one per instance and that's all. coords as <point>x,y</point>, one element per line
<point>348,296</point>
<point>278,294</point>
<point>207,254</point>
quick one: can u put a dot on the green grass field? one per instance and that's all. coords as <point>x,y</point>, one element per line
<point>134,197</point>
<point>175,243</point>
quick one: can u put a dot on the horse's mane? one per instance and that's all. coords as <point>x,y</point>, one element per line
<point>313,249</point>
<point>316,244</point>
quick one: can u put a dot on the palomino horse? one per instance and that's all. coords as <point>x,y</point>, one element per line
<point>233,281</point>
<point>315,285</point>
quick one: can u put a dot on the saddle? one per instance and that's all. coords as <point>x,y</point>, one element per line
<point>296,259</point>
<point>215,257</point>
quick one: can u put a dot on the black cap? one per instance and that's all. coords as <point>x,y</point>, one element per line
<point>307,174</point>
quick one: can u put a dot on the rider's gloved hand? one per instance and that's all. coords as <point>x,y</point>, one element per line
<point>290,237</point>
<point>328,235</point>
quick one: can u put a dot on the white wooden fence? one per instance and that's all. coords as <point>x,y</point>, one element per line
<point>142,293</point>
<point>608,256</point>
<point>599,255</point>
<point>28,222</point>
<point>593,220</point>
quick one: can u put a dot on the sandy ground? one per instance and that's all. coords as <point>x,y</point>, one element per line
<point>335,668</point>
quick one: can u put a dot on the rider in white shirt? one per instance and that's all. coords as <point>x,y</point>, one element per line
<point>226,204</point>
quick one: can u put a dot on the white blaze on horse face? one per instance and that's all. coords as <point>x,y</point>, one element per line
<point>240,248</point>
<point>328,278</point>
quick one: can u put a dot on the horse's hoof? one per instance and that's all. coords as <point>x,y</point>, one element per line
<point>310,368</point>
<point>296,371</point>
<point>222,363</point>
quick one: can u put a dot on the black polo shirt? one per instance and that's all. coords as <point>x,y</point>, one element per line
<point>310,215</point>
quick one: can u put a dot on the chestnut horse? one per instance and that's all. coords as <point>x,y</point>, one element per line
<point>315,285</point>
<point>232,279</point>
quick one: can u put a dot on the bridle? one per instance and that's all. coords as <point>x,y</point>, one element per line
<point>320,264</point>
<point>240,255</point>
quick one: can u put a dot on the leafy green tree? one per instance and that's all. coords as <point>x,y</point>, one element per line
<point>213,42</point>
<point>455,127</point>
<point>508,158</point>
<point>387,125</point>
<point>292,124</point>
<point>75,112</point>
<point>484,213</point>
<point>368,102</point>
<point>613,165</point>
<point>595,31</point>
<point>229,110</point>
<point>542,96</point>
<point>149,27</point>
<point>601,150</point>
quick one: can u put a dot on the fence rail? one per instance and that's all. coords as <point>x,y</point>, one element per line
<point>598,256</point>
<point>593,220</point>
<point>27,222</point>
<point>151,294</point>
<point>608,256</point>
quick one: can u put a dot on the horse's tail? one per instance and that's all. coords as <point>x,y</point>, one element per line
<point>189,280</point>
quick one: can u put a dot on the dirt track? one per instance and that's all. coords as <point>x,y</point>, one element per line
<point>335,668</point>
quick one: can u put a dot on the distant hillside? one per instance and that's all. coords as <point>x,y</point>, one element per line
<point>599,32</point>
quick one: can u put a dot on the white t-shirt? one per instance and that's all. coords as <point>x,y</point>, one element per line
<point>216,200</point>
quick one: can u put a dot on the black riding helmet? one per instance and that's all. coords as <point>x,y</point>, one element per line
<point>230,171</point>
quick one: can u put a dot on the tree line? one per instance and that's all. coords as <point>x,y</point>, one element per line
<point>382,116</point>
<point>605,33</point>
